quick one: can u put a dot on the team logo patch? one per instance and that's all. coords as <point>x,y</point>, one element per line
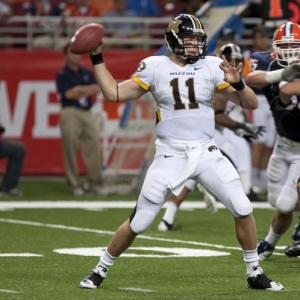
<point>212,148</point>
<point>141,67</point>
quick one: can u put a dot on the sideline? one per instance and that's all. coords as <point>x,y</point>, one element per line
<point>99,205</point>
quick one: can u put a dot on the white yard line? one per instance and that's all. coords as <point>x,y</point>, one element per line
<point>58,226</point>
<point>8,291</point>
<point>98,205</point>
<point>137,290</point>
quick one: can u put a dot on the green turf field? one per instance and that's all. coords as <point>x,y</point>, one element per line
<point>48,246</point>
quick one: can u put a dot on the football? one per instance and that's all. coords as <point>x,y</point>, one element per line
<point>86,38</point>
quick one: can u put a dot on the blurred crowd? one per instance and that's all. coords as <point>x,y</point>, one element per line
<point>52,34</point>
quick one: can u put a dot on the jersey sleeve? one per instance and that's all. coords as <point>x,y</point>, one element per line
<point>144,75</point>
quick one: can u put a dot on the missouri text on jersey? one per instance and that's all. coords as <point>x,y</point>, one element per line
<point>182,73</point>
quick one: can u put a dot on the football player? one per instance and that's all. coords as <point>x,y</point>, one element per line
<point>271,71</point>
<point>231,136</point>
<point>183,86</point>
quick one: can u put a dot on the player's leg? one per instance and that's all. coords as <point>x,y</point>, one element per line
<point>270,138</point>
<point>258,146</point>
<point>296,230</point>
<point>282,194</point>
<point>165,166</point>
<point>293,250</point>
<point>167,220</point>
<point>222,180</point>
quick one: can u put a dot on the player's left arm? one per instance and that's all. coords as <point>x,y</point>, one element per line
<point>288,90</point>
<point>237,92</point>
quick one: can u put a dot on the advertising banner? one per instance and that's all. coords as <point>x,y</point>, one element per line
<point>30,108</point>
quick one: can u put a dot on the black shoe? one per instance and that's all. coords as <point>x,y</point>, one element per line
<point>253,197</point>
<point>93,279</point>
<point>259,281</point>
<point>293,250</point>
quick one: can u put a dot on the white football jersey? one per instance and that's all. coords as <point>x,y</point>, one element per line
<point>183,95</point>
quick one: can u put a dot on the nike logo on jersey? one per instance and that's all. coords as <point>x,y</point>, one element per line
<point>197,68</point>
<point>166,156</point>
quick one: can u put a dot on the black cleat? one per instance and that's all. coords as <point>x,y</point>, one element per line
<point>93,279</point>
<point>293,250</point>
<point>259,281</point>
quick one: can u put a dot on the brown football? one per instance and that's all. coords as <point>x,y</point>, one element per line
<point>86,38</point>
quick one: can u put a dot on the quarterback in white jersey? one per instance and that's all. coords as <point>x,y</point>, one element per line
<point>183,87</point>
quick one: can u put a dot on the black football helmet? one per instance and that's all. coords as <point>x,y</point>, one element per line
<point>181,26</point>
<point>231,50</point>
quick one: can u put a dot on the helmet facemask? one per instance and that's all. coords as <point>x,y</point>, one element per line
<point>286,53</point>
<point>286,43</point>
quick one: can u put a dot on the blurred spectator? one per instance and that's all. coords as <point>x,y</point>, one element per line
<point>15,153</point>
<point>104,5</point>
<point>78,8</point>
<point>45,29</point>
<point>192,6</point>
<point>81,8</point>
<point>5,10</point>
<point>75,86</point>
<point>226,35</point>
<point>170,8</point>
<point>261,40</point>
<point>122,30</point>
<point>5,13</point>
<point>144,8</point>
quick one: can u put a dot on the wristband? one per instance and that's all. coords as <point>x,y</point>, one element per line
<point>238,85</point>
<point>219,111</point>
<point>97,59</point>
<point>274,76</point>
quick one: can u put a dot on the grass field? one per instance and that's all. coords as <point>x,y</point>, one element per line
<point>50,240</point>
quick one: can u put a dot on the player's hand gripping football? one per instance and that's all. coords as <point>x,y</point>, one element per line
<point>248,131</point>
<point>231,71</point>
<point>98,49</point>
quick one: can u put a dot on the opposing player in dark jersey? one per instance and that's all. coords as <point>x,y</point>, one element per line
<point>271,71</point>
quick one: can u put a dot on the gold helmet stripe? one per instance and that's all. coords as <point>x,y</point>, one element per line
<point>197,24</point>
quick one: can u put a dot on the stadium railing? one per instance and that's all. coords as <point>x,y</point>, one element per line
<point>21,31</point>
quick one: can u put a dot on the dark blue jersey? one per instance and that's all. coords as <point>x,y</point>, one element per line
<point>287,121</point>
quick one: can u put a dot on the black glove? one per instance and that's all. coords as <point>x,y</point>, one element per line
<point>2,129</point>
<point>291,72</point>
<point>248,131</point>
<point>278,104</point>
